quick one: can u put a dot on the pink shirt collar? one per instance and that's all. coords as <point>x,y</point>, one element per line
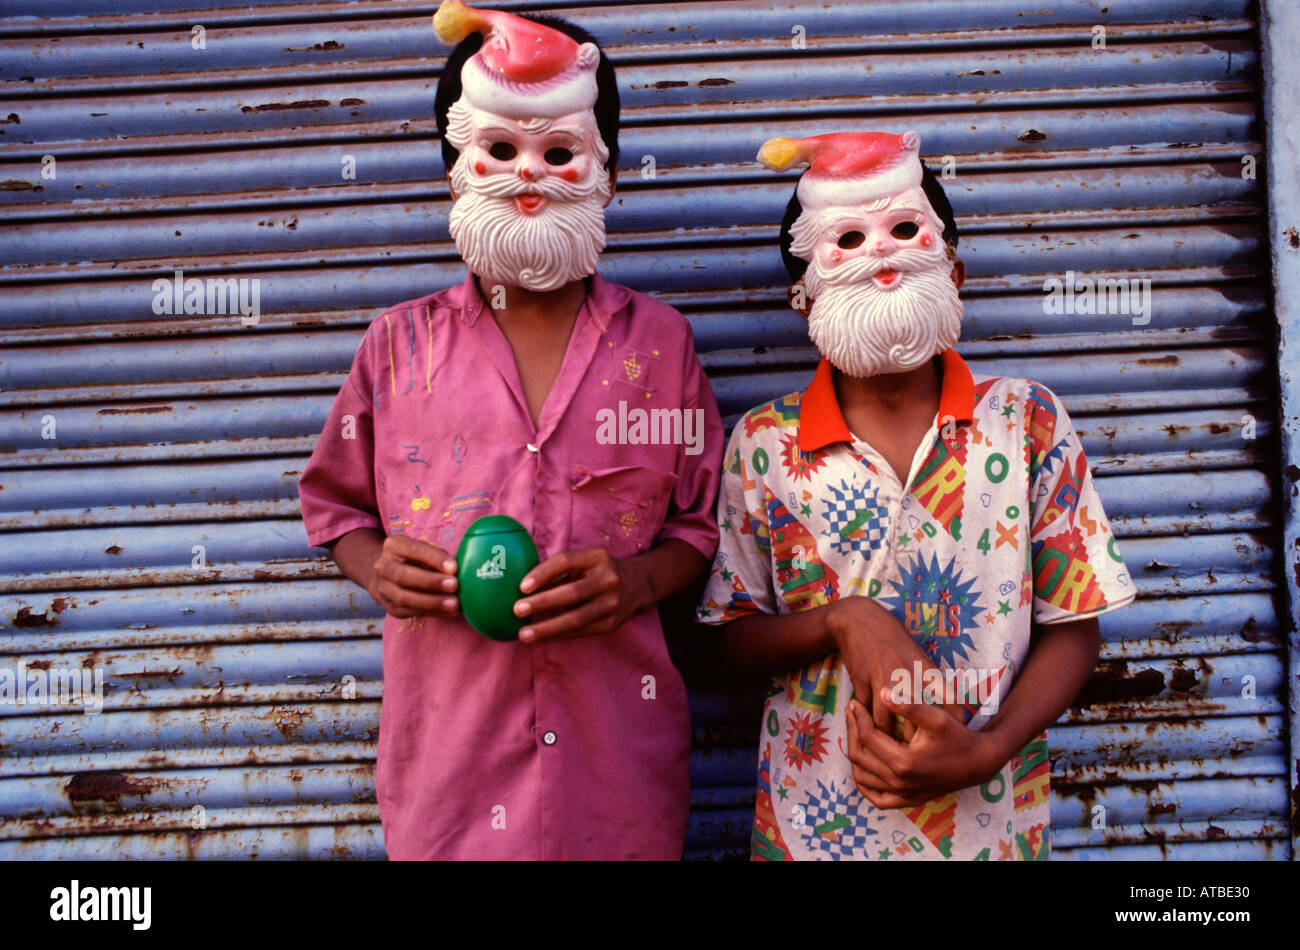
<point>604,300</point>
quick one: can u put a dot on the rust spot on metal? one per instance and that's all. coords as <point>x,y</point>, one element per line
<point>1165,808</point>
<point>1183,680</point>
<point>1214,832</point>
<point>113,549</point>
<point>26,619</point>
<point>1031,135</point>
<point>11,119</point>
<point>153,675</point>
<point>717,82</point>
<point>1169,360</point>
<point>1113,683</point>
<point>288,721</point>
<point>17,184</point>
<point>1084,793</point>
<point>352,102</point>
<point>1173,629</point>
<point>1250,631</point>
<point>40,664</point>
<point>108,787</point>
<point>670,84</point>
<point>1218,428</point>
<point>1292,474</point>
<point>284,106</point>
<point>133,410</point>
<point>1292,236</point>
<point>1153,565</point>
<point>318,48</point>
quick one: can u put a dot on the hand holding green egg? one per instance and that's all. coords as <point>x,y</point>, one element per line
<point>495,555</point>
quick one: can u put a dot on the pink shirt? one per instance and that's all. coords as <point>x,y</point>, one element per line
<point>577,749</point>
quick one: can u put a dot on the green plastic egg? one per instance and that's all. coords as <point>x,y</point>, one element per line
<point>494,556</point>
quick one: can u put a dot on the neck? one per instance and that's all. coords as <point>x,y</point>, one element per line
<point>521,305</point>
<point>890,392</point>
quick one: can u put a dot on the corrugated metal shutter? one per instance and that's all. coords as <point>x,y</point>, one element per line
<point>241,697</point>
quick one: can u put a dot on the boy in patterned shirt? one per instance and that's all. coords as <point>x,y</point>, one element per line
<point>900,535</point>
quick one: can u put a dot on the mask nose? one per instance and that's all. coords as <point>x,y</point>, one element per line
<point>527,172</point>
<point>882,244</point>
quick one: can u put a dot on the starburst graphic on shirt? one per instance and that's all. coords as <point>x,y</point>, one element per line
<point>836,822</point>
<point>805,740</point>
<point>937,606</point>
<point>632,368</point>
<point>855,520</point>
<point>799,465</point>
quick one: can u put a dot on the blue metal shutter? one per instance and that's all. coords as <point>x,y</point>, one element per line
<point>228,729</point>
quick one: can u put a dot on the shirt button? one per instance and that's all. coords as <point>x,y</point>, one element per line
<point>533,448</point>
<point>549,737</point>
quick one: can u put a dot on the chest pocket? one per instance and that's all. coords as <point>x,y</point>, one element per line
<point>619,509</point>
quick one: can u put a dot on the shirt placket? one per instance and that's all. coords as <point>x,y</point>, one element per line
<point>899,500</point>
<point>555,738</point>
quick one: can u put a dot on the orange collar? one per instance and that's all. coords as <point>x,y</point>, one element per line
<point>821,422</point>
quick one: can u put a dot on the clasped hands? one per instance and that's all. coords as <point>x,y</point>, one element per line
<point>937,754</point>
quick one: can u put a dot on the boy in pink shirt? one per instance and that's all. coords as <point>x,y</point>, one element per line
<point>536,390</point>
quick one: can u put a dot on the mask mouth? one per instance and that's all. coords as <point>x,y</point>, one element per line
<point>528,204</point>
<point>887,279</point>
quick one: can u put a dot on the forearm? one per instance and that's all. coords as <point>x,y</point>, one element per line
<point>666,569</point>
<point>356,553</point>
<point>771,644</point>
<point>1058,666</point>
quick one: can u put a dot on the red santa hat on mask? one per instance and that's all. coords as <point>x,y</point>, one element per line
<point>524,69</point>
<point>847,168</point>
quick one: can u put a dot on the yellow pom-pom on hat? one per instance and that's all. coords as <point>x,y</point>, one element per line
<point>454,21</point>
<point>780,154</point>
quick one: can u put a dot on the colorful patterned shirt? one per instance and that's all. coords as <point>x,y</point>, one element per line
<point>575,749</point>
<point>999,529</point>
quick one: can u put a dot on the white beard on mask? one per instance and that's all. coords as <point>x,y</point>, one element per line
<point>864,330</point>
<point>545,250</point>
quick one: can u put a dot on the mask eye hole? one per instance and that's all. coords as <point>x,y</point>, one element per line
<point>905,230</point>
<point>851,239</point>
<point>558,156</point>
<point>502,151</point>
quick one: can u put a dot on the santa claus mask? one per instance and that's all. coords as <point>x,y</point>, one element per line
<point>879,274</point>
<point>530,181</point>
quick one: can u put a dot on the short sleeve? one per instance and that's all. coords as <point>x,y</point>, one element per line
<point>337,488</point>
<point>690,511</point>
<point>1077,568</point>
<point>740,582</point>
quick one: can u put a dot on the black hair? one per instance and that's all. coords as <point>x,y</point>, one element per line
<point>606,107</point>
<point>933,192</point>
